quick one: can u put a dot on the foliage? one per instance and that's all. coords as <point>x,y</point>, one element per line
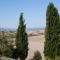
<point>5,49</point>
<point>22,39</point>
<point>37,56</point>
<point>15,54</point>
<point>51,32</point>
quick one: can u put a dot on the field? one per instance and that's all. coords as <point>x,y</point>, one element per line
<point>35,40</point>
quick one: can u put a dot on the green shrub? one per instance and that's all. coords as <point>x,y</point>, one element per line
<point>7,51</point>
<point>37,56</point>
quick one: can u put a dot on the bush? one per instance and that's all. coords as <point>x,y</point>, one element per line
<point>37,56</point>
<point>7,51</point>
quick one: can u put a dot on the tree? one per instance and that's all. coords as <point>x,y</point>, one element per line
<point>22,39</point>
<point>37,56</point>
<point>58,42</point>
<point>51,35</point>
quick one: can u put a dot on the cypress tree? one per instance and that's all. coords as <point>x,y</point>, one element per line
<point>58,42</point>
<point>22,39</point>
<point>51,36</point>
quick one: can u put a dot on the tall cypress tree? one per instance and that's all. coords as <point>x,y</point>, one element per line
<point>58,42</point>
<point>51,39</point>
<point>22,39</point>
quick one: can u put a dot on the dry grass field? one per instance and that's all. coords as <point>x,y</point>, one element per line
<point>36,42</point>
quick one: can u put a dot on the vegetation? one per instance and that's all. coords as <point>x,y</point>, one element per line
<point>56,58</point>
<point>5,49</point>
<point>51,33</point>
<point>52,38</point>
<point>37,56</point>
<point>22,39</point>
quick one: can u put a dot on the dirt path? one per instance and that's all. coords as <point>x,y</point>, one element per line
<point>36,43</point>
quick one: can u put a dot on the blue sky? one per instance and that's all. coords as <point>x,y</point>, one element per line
<point>34,12</point>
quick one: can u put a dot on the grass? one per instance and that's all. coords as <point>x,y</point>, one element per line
<point>56,58</point>
<point>6,58</point>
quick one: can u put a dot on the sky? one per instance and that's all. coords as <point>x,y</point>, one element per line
<point>34,12</point>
